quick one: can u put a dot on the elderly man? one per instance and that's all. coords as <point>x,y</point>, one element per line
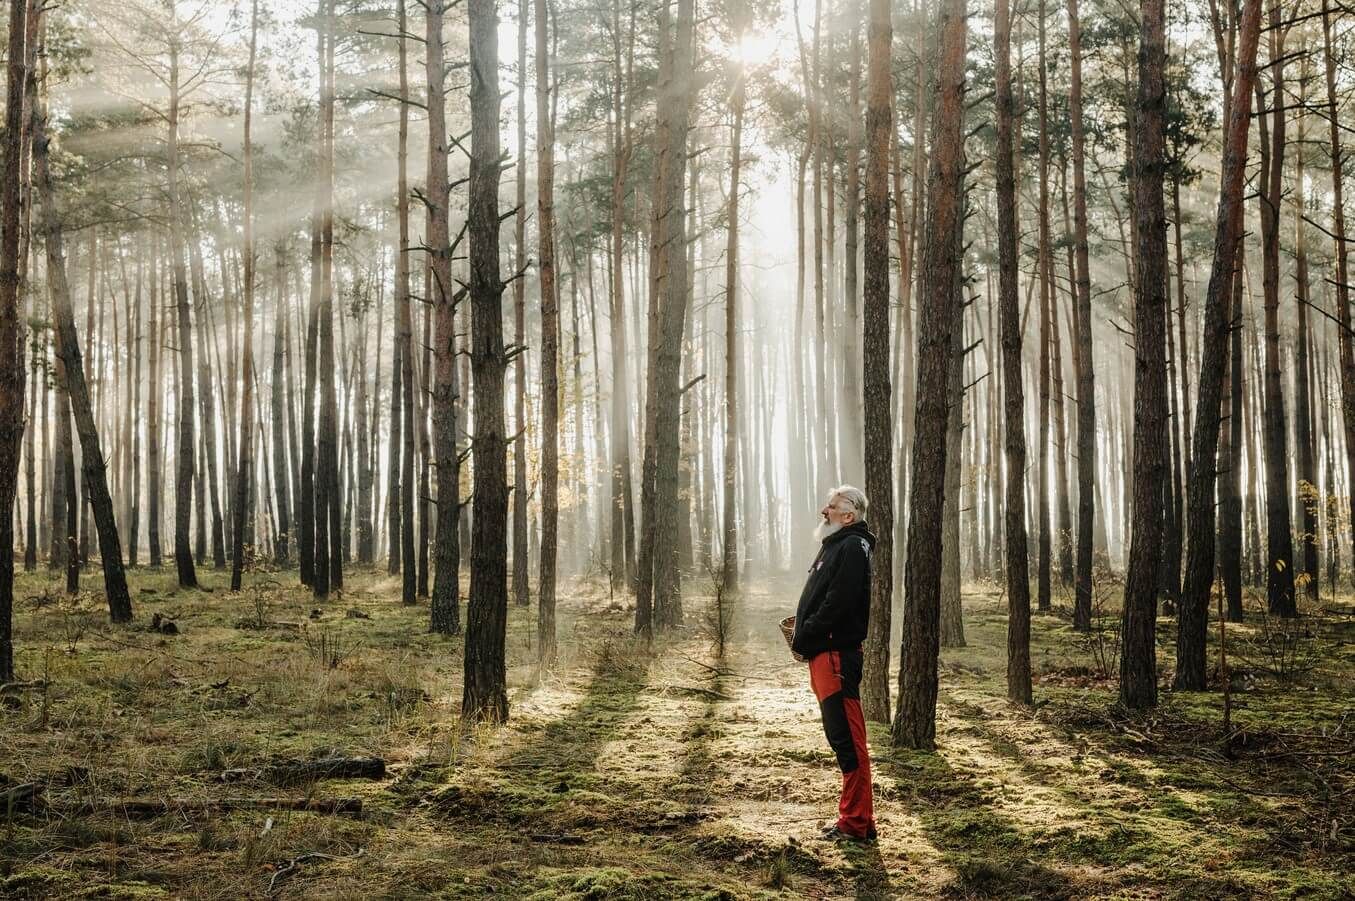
<point>830,625</point>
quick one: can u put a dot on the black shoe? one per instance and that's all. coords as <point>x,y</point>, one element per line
<point>835,834</point>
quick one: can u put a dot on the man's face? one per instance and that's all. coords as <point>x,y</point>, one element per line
<point>838,512</point>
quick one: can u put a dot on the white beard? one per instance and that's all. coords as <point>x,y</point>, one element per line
<point>825,528</point>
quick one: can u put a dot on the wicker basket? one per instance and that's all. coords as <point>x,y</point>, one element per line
<point>788,631</point>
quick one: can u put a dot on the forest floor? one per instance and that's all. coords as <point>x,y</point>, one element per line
<point>635,775</point>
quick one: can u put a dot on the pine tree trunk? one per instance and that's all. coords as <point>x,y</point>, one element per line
<point>183,481</point>
<point>1014,528</point>
<point>485,695</point>
<point>11,335</point>
<point>1345,343</point>
<point>1305,465</point>
<point>522,594</point>
<point>622,524</point>
<point>938,318</point>
<point>1138,660</point>
<point>550,342</point>
<point>657,600</point>
<point>1086,377</point>
<point>445,613</point>
<point>850,416</point>
<point>952,616</point>
<point>729,564</point>
<point>1279,539</point>
<point>279,410</point>
<point>878,435</point>
<point>1044,440</point>
<point>95,475</point>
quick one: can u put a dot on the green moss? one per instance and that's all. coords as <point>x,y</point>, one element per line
<point>39,882</point>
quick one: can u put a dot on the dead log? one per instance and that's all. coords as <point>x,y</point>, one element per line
<point>293,772</point>
<point>13,688</point>
<point>154,807</point>
<point>22,798</point>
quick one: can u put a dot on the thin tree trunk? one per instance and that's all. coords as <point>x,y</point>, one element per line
<point>1279,539</point>
<point>550,342</point>
<point>729,561</point>
<point>244,474</point>
<point>95,474</point>
<point>183,482</point>
<point>1086,377</point>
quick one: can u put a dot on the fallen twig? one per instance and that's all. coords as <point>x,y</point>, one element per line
<point>301,858</point>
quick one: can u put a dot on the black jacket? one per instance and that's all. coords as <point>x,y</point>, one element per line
<point>834,607</point>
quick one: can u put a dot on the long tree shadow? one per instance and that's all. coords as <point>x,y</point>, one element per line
<point>550,781</point>
<point>991,855</point>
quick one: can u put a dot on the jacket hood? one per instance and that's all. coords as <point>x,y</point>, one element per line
<point>858,529</point>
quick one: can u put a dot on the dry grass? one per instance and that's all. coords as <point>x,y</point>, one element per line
<point>634,772</point>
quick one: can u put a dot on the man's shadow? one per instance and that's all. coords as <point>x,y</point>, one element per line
<point>869,873</point>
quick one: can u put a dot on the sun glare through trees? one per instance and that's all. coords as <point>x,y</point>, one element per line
<point>677,449</point>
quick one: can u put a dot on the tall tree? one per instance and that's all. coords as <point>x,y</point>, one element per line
<point>1086,378</point>
<point>244,477</point>
<point>11,337</point>
<point>94,468</point>
<point>730,561</point>
<point>878,425</point>
<point>1346,345</point>
<point>622,493</point>
<point>1279,538</point>
<point>521,577</point>
<point>485,693</point>
<point>1193,619</point>
<point>657,583</point>
<point>445,613</point>
<point>183,481</point>
<point>1138,659</point>
<point>550,341</point>
<point>938,317</point>
<point>278,410</point>
<point>1014,528</point>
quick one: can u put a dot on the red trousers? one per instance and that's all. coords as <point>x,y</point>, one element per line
<point>835,677</point>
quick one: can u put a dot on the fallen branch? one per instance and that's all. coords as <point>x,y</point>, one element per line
<point>13,688</point>
<point>559,839</point>
<point>295,771</point>
<point>21,798</point>
<point>154,807</point>
<point>301,858</point>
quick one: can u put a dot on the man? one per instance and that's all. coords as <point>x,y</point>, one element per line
<point>830,625</point>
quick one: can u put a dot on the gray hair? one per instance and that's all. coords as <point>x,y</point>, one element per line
<point>852,495</point>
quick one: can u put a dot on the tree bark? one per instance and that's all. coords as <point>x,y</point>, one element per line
<point>938,317</point>
<point>1138,659</point>
<point>244,475</point>
<point>445,613</point>
<point>485,695</point>
<point>550,342</point>
<point>95,473</point>
<point>279,409</point>
<point>1345,343</point>
<point>183,481</point>
<point>878,436</point>
<point>1086,373</point>
<point>11,334</point>
<point>1014,528</point>
<point>729,563</point>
